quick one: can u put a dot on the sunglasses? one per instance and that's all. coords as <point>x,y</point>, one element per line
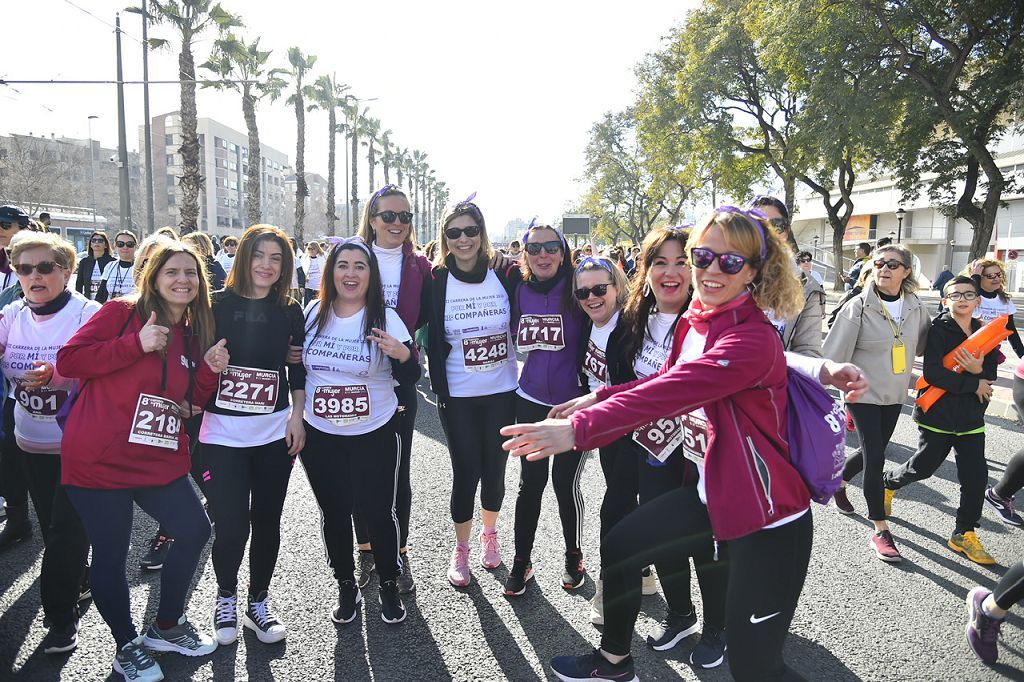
<point>892,264</point>
<point>803,260</point>
<point>598,290</point>
<point>125,245</point>
<point>780,224</point>
<point>729,263</point>
<point>45,267</point>
<point>456,232</point>
<point>551,247</point>
<point>961,295</point>
<point>97,240</point>
<point>389,217</point>
<point>994,275</point>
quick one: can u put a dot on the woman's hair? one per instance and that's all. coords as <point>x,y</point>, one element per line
<point>312,245</point>
<point>106,242</point>
<point>144,250</point>
<point>450,213</point>
<point>374,310</point>
<point>239,280</point>
<point>365,231</point>
<point>63,252</point>
<point>775,287</point>
<point>641,301</point>
<point>777,204</point>
<point>617,277</point>
<point>128,233</point>
<point>430,250</point>
<point>986,263</point>
<point>909,285</point>
<point>198,314</point>
<point>229,241</point>
<point>198,241</point>
<point>804,254</point>
<point>167,231</point>
<point>568,304</point>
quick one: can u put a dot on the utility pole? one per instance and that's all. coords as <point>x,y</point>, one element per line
<point>150,213</point>
<point>122,141</point>
<point>92,171</point>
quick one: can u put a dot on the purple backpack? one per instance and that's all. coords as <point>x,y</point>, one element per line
<point>817,443</point>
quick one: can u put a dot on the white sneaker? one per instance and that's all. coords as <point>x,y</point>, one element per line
<point>650,584</point>
<point>597,605</point>
<point>259,619</point>
<point>136,664</point>
<point>225,617</point>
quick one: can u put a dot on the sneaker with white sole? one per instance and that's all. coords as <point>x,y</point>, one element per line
<point>673,629</point>
<point>349,597</point>
<point>61,639</point>
<point>157,554</point>
<point>406,584</point>
<point>597,603</point>
<point>1003,507</point>
<point>135,664</point>
<point>490,551</point>
<point>259,618</point>
<point>392,610</point>
<point>182,639</point>
<point>365,567</point>
<point>459,574</point>
<point>225,617</point>
<point>710,650</point>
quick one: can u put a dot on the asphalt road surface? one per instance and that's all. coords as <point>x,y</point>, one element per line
<point>859,619</point>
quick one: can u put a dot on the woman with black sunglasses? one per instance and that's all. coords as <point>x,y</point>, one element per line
<point>474,373</point>
<point>90,269</point>
<point>118,277</point>
<point>881,330</point>
<point>548,325</point>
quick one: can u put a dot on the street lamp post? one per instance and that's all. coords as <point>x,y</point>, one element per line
<point>92,171</point>
<point>900,213</point>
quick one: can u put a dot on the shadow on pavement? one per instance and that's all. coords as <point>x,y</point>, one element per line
<point>815,662</point>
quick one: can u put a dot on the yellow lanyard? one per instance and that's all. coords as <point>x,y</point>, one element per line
<point>897,331</point>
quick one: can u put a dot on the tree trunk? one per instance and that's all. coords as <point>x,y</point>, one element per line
<point>398,169</point>
<point>370,164</point>
<point>253,207</point>
<point>332,125</point>
<point>387,170</point>
<point>356,218</point>
<point>191,178</point>
<point>838,221</point>
<point>301,190</point>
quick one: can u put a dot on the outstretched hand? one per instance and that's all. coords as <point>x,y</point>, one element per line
<point>540,440</point>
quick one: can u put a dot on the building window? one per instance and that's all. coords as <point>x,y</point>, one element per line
<point>171,200</point>
<point>232,184</point>
<point>170,180</point>
<point>169,160</point>
<point>168,140</point>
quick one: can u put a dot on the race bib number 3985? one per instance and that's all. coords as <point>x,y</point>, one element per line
<point>540,332</point>
<point>342,405</point>
<point>156,422</point>
<point>245,389</point>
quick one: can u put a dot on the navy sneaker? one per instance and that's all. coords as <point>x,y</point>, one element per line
<point>1003,507</point>
<point>672,630</point>
<point>593,667</point>
<point>710,650</point>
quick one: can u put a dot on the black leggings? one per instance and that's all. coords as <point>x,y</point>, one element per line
<point>766,572</point>
<point>1010,589</point>
<point>674,568</point>
<point>408,403</point>
<point>471,427</point>
<point>349,471</point>
<point>246,488</point>
<point>621,479</point>
<point>1013,478</point>
<point>971,469</point>
<point>13,481</point>
<point>566,470</point>
<point>875,424</point>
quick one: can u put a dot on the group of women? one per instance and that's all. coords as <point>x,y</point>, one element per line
<point>679,378</point>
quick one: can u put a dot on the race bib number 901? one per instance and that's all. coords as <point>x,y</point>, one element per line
<point>485,353</point>
<point>245,389</point>
<point>156,422</point>
<point>41,404</point>
<point>342,405</point>
<point>540,332</point>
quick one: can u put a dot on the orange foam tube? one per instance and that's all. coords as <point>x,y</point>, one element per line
<point>982,342</point>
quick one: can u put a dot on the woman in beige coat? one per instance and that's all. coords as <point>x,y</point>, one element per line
<point>881,331</point>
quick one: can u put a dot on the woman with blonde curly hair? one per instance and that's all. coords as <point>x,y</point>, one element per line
<point>726,382</point>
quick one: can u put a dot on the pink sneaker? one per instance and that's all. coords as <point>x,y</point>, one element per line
<point>491,551</point>
<point>458,573</point>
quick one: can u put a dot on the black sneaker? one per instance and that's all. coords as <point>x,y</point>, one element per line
<point>392,610</point>
<point>225,617</point>
<point>406,585</point>
<point>61,639</point>
<point>574,574</point>
<point>349,596</point>
<point>1004,507</point>
<point>157,554</point>
<point>521,573</point>
<point>710,650</point>
<point>593,667</point>
<point>259,618</point>
<point>364,568</point>
<point>672,630</point>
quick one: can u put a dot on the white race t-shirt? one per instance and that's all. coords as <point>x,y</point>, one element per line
<point>695,424</point>
<point>476,324</point>
<point>313,267</point>
<point>657,345</point>
<point>346,380</point>
<point>120,280</point>
<point>226,261</point>
<point>895,310</point>
<point>94,280</point>
<point>390,263</point>
<point>595,362</point>
<point>990,308</point>
<point>25,338</point>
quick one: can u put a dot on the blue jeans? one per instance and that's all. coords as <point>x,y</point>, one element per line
<point>107,516</point>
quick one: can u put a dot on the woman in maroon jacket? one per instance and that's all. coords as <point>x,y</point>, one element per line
<point>123,443</point>
<point>725,381</point>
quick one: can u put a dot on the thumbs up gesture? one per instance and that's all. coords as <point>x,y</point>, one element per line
<point>217,357</point>
<point>152,336</point>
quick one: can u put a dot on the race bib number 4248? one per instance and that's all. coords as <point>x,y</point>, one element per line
<point>484,353</point>
<point>540,332</point>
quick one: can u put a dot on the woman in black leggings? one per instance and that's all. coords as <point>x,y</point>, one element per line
<point>987,609</point>
<point>474,374</point>
<point>1000,496</point>
<point>250,434</point>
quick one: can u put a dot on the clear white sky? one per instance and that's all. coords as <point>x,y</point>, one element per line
<point>500,96</point>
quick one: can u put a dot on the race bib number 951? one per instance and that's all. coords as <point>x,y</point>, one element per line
<point>156,422</point>
<point>540,332</point>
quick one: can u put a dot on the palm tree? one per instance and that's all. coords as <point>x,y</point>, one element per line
<point>242,67</point>
<point>371,130</point>
<point>418,168</point>
<point>189,18</point>
<point>301,64</point>
<point>327,95</point>
<point>355,124</point>
<point>402,161</point>
<point>387,154</point>
<point>431,182</point>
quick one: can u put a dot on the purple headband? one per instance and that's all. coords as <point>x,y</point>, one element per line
<point>338,242</point>
<point>533,224</point>
<point>753,215</point>
<point>595,262</point>
<point>383,190</point>
<point>468,200</point>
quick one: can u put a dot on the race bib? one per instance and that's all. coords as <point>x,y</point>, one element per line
<point>245,389</point>
<point>41,404</point>
<point>95,288</point>
<point>342,405</point>
<point>659,438</point>
<point>485,353</point>
<point>156,422</point>
<point>695,437</point>
<point>540,332</point>
<point>595,365</point>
